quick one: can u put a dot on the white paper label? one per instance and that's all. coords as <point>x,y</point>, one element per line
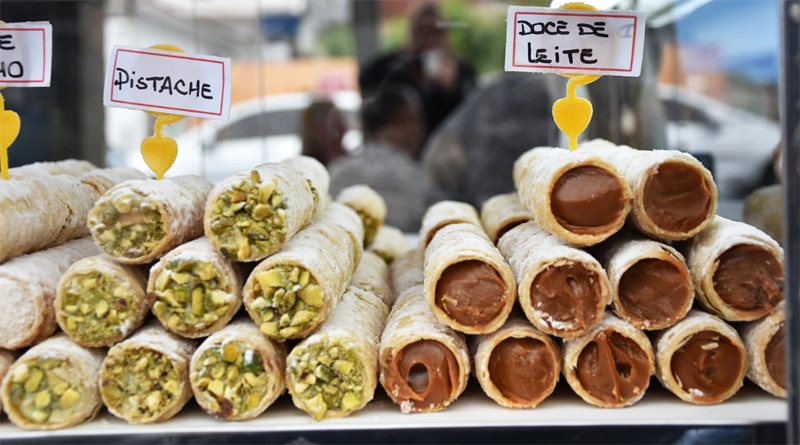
<point>26,52</point>
<point>168,82</point>
<point>574,41</point>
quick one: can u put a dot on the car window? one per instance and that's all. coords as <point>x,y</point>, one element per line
<point>677,111</point>
<point>274,123</point>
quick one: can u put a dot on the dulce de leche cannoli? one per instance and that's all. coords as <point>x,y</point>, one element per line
<point>501,213</point>
<point>138,221</point>
<point>701,359</point>
<point>737,270</point>
<point>517,365</point>
<point>444,213</point>
<point>53,385</point>
<point>562,290</point>
<point>765,341</point>
<point>100,301</point>
<point>368,204</point>
<point>468,284</point>
<point>575,195</point>
<point>237,373</point>
<point>610,366</point>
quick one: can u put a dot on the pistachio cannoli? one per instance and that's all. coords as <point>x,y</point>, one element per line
<point>424,364</point>
<point>765,342</point>
<point>501,213</point>
<point>701,359</point>
<point>517,365</point>
<point>370,206</point>
<point>6,359</point>
<point>103,179</point>
<point>737,270</point>
<point>389,243</point>
<point>145,378</point>
<point>562,290</point>
<point>575,195</point>
<point>28,289</point>
<point>70,167</point>
<point>53,385</point>
<point>194,290</point>
<point>237,373</point>
<point>444,213</point>
<point>468,284</point>
<point>610,366</point>
<point>317,178</point>
<point>337,216</point>
<point>139,220</point>
<point>100,302</point>
<point>252,214</point>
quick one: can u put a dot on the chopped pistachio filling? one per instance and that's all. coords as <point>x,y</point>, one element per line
<point>232,378</point>
<point>249,218</point>
<point>326,376</point>
<point>139,384</point>
<point>95,308</point>
<point>288,301</point>
<point>44,390</point>
<point>385,255</point>
<point>189,296</point>
<point>129,226</point>
<point>371,226</point>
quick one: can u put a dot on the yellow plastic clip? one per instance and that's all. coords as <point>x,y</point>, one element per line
<point>9,130</point>
<point>158,151</point>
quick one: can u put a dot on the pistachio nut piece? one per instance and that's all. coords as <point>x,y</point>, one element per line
<point>127,226</point>
<point>287,301</point>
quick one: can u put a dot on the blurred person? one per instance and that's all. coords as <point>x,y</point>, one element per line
<point>427,64</point>
<point>323,127</point>
<point>393,130</point>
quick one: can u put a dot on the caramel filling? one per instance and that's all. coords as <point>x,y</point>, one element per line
<point>569,295</point>
<point>655,293</point>
<point>676,197</point>
<point>613,368</point>
<point>707,365</point>
<point>471,292</point>
<point>425,372</point>
<point>749,278</point>
<point>524,370</point>
<point>775,356</point>
<point>588,200</point>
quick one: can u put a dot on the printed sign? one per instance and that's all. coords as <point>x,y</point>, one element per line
<point>168,82</point>
<point>573,41</point>
<point>26,52</point>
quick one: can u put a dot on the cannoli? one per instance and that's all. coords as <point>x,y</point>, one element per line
<point>444,213</point>
<point>424,365</point>
<point>651,286</point>
<point>674,195</point>
<point>42,211</point>
<point>611,365</point>
<point>575,195</point>
<point>317,178</point>
<point>70,167</point>
<point>407,270</point>
<point>338,216</point>
<point>563,290</point>
<point>293,291</point>
<point>103,179</point>
<point>194,290</point>
<point>501,213</point>
<point>389,243</point>
<point>145,378</point>
<point>468,284</point>
<point>369,205</point>
<point>517,365</point>
<point>334,372</point>
<point>372,275</point>
<point>252,214</point>
<point>53,385</point>
<point>701,359</point>
<point>137,221</point>
<point>237,373</point>
<point>99,302</point>
<point>28,284</point>
<point>6,359</point>
<point>765,342</point>
<point>737,270</point>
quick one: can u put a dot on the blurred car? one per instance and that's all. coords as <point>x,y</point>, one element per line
<point>267,129</point>
<point>736,145</point>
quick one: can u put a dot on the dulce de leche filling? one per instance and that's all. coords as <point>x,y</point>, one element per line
<point>775,356</point>
<point>524,370</point>
<point>654,293</point>
<point>613,368</point>
<point>676,197</point>
<point>425,372</point>
<point>749,278</point>
<point>707,366</point>
<point>569,295</point>
<point>471,292</point>
<point>588,200</point>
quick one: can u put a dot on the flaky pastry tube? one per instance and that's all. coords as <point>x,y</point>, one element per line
<point>370,206</point>
<point>390,242</point>
<point>765,342</point>
<point>372,275</point>
<point>468,283</point>
<point>100,301</point>
<point>407,270</point>
<point>103,179</point>
<point>139,220</point>
<point>53,385</point>
<point>28,287</point>
<point>737,269</point>
<point>575,195</point>
<point>701,359</point>
<point>237,373</point>
<point>501,213</point>
<point>6,359</point>
<point>70,167</point>
<point>444,213</point>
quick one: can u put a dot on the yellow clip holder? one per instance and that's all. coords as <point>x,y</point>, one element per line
<point>9,130</point>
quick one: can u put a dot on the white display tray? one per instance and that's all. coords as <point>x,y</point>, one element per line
<point>473,409</point>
